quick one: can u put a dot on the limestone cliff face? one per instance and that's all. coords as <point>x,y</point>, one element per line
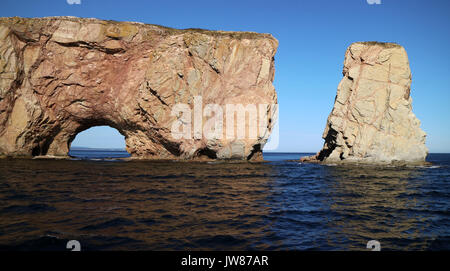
<point>372,118</point>
<point>62,75</point>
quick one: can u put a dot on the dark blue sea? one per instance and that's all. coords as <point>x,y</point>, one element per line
<point>111,204</point>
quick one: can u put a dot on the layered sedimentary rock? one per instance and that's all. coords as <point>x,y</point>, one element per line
<point>372,118</point>
<point>62,75</point>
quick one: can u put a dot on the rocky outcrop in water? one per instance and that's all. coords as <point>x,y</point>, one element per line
<point>62,75</point>
<point>372,119</point>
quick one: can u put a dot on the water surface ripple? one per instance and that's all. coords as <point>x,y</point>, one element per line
<point>279,205</point>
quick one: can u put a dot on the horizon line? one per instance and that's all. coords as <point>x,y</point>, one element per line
<point>112,148</point>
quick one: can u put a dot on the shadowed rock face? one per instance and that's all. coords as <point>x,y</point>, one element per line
<point>372,119</point>
<point>62,75</point>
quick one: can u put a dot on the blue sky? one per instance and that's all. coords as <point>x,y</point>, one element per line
<point>313,37</point>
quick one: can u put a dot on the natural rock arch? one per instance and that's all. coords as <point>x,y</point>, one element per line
<point>61,75</point>
<point>99,136</point>
<point>84,129</point>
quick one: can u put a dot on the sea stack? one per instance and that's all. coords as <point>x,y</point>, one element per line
<point>62,75</point>
<point>372,119</point>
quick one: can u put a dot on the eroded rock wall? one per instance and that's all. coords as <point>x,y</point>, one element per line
<point>372,118</point>
<point>62,75</point>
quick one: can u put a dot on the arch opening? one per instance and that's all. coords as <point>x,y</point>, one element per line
<point>98,142</point>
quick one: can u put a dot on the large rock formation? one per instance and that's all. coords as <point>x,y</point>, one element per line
<point>62,75</point>
<point>372,119</point>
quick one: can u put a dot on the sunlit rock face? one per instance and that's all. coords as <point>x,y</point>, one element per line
<point>62,75</point>
<point>372,118</point>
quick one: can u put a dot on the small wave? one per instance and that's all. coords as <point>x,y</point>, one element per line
<point>219,241</point>
<point>25,209</point>
<point>116,222</point>
<point>148,221</point>
<point>427,167</point>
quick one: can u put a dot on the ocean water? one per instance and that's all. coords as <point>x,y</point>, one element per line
<point>109,204</point>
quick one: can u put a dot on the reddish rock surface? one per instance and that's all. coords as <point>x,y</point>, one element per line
<point>62,75</point>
